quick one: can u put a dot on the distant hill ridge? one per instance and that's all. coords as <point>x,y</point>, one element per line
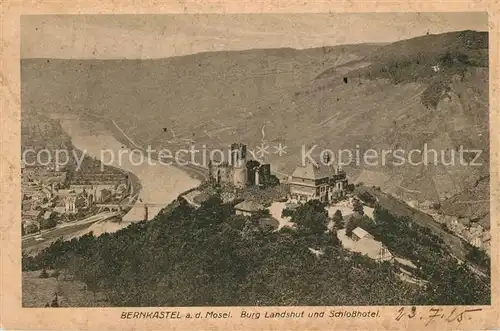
<point>376,96</point>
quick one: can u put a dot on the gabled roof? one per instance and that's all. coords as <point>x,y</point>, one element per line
<point>32,213</point>
<point>360,233</point>
<point>250,206</point>
<point>311,171</point>
<point>464,221</point>
<point>485,222</point>
<point>373,249</point>
<point>59,209</point>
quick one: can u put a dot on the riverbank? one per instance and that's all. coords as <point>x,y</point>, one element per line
<point>195,172</point>
<point>160,184</point>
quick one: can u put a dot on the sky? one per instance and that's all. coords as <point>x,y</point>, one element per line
<point>157,36</point>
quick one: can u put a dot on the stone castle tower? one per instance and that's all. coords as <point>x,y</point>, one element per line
<point>239,164</point>
<point>234,170</point>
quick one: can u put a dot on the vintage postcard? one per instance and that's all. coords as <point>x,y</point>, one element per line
<point>248,166</point>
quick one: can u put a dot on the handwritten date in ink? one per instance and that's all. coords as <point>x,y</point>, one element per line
<point>432,314</point>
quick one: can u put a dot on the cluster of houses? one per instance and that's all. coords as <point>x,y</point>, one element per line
<point>475,233</point>
<point>48,194</point>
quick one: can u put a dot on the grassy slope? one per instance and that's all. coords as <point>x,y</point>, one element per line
<point>299,96</point>
<point>39,291</point>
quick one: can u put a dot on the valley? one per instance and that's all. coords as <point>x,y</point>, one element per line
<point>342,97</point>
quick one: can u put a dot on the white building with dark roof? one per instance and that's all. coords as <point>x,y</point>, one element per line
<point>247,208</point>
<point>373,249</point>
<point>359,233</point>
<point>363,242</point>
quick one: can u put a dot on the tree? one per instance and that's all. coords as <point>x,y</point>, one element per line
<point>311,217</point>
<point>351,225</point>
<point>212,211</point>
<point>444,226</point>
<point>357,207</point>
<point>479,257</point>
<point>338,219</point>
<point>367,198</point>
<point>273,181</point>
<point>55,301</point>
<point>287,212</point>
<point>48,223</point>
<point>185,256</point>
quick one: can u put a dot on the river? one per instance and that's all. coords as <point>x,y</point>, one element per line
<point>160,183</point>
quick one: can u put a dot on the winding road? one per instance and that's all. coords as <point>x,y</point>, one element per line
<point>38,240</point>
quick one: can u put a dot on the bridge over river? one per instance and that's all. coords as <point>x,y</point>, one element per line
<point>45,237</point>
<point>112,207</point>
<point>120,207</point>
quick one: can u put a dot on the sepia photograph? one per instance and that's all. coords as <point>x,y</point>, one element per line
<point>257,159</point>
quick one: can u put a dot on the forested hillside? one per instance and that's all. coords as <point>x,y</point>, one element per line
<point>208,256</point>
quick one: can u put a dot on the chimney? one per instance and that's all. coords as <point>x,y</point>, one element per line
<point>338,169</point>
<point>326,159</point>
<point>243,149</point>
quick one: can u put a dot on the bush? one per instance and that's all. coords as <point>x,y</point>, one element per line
<point>338,219</point>
<point>358,207</point>
<point>368,199</point>
<point>287,212</point>
<point>31,228</point>
<point>445,227</point>
<point>273,181</point>
<point>311,217</point>
<point>351,225</point>
<point>48,224</point>
<point>478,257</point>
<point>44,274</point>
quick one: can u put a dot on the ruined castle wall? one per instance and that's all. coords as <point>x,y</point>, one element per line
<point>240,176</point>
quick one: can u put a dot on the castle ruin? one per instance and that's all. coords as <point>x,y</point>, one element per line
<point>238,170</point>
